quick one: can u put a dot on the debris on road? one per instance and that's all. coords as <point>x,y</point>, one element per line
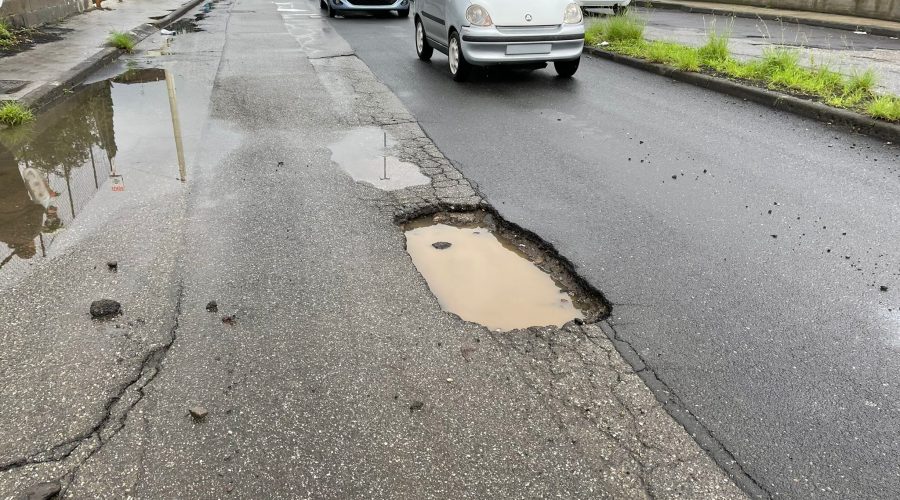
<point>198,412</point>
<point>105,308</point>
<point>42,491</point>
<point>416,406</point>
<point>212,306</point>
<point>113,265</point>
<point>231,319</point>
<point>884,288</point>
<point>441,245</point>
<point>467,352</point>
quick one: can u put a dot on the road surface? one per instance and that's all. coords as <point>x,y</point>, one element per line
<point>744,249</point>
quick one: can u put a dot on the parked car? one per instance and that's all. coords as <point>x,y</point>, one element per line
<point>618,6</point>
<point>492,32</point>
<point>336,7</point>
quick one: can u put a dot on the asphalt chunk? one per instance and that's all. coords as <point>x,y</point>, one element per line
<point>105,308</point>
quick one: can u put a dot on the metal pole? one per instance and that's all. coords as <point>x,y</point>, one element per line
<point>176,125</point>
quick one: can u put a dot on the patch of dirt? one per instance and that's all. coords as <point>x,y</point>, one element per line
<point>27,38</point>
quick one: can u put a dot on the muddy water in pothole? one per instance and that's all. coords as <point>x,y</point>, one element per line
<point>362,153</point>
<point>486,280</point>
<point>113,135</point>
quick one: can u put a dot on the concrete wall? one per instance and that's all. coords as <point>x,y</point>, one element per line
<point>876,9</point>
<point>35,12</point>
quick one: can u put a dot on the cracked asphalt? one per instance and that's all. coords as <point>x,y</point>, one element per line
<point>329,370</point>
<point>744,250</point>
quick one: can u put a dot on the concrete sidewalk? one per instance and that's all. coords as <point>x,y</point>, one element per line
<point>853,23</point>
<point>55,65</point>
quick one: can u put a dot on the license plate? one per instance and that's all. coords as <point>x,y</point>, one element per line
<point>528,48</point>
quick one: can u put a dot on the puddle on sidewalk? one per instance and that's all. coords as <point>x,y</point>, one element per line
<point>190,24</point>
<point>493,277</point>
<point>114,135</point>
<point>362,153</point>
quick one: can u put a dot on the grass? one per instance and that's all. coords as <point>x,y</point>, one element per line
<point>779,68</point>
<point>9,36</point>
<point>13,114</point>
<point>121,41</point>
<point>886,107</point>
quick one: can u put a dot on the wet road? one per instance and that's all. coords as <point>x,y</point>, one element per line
<point>744,249</point>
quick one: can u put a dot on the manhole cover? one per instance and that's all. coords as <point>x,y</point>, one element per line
<point>10,86</point>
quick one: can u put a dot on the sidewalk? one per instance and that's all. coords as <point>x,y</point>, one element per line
<point>853,23</point>
<point>47,67</point>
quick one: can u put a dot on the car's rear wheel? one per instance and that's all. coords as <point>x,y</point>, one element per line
<point>322,4</point>
<point>566,69</point>
<point>403,13</point>
<point>459,67</point>
<point>620,10</point>
<point>423,50</point>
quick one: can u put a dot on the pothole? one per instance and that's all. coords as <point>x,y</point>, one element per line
<point>363,153</point>
<point>493,275</point>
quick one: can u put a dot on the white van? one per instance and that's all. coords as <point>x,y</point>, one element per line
<point>488,32</point>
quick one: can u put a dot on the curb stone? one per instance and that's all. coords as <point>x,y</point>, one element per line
<point>49,92</point>
<point>773,99</point>
<point>868,28</point>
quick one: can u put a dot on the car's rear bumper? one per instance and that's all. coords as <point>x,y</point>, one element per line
<point>513,45</point>
<point>369,5</point>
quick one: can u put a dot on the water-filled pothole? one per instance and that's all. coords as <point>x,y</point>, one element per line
<point>363,153</point>
<point>489,274</point>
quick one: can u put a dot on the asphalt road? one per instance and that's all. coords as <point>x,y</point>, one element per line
<point>743,248</point>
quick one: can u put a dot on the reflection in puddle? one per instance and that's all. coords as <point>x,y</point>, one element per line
<point>485,280</point>
<point>362,154</point>
<point>91,141</point>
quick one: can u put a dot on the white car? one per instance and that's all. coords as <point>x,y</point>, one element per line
<point>491,32</point>
<point>618,6</point>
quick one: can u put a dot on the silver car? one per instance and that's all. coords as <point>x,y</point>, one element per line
<point>490,32</point>
<point>337,7</point>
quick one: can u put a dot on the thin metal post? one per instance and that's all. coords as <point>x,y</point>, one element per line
<point>176,125</point>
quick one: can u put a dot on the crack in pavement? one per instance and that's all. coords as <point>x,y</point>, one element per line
<point>114,418</point>
<point>673,405</point>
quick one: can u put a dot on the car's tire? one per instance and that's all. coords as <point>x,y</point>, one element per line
<point>423,49</point>
<point>459,67</point>
<point>331,12</point>
<point>620,10</point>
<point>403,13</point>
<point>322,4</point>
<point>566,69</point>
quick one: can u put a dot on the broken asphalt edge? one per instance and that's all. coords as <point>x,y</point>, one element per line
<point>822,23</point>
<point>47,93</point>
<point>673,405</point>
<point>777,100</point>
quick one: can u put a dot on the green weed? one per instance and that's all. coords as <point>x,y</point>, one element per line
<point>121,41</point>
<point>886,107</point>
<point>612,29</point>
<point>13,114</point>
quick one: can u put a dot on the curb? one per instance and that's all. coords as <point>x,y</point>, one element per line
<point>49,92</point>
<point>870,29</point>
<point>776,100</point>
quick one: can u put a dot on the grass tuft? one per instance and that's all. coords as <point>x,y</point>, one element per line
<point>613,29</point>
<point>886,107</point>
<point>778,68</point>
<point>13,114</point>
<point>715,50</point>
<point>121,41</point>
